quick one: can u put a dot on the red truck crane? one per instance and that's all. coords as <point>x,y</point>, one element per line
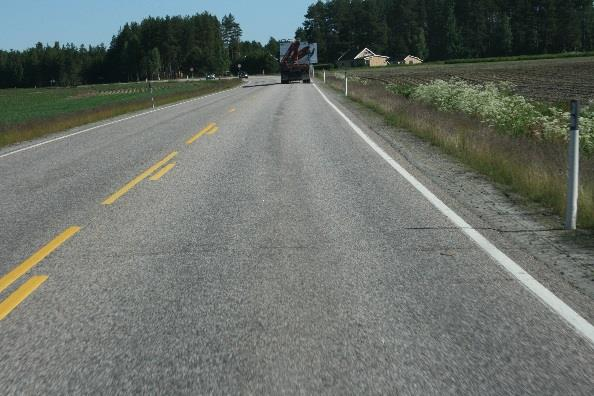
<point>296,59</point>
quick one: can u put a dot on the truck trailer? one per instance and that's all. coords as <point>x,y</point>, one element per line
<point>296,59</point>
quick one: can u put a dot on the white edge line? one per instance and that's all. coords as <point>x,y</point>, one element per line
<point>30,147</point>
<point>581,325</point>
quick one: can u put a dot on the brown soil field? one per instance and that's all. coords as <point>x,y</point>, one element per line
<point>552,80</point>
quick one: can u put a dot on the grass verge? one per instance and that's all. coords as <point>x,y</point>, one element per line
<point>534,169</point>
<point>76,109</point>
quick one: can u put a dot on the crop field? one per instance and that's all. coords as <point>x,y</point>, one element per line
<point>29,113</point>
<point>554,81</point>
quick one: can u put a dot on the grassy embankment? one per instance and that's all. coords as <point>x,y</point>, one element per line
<point>530,163</point>
<point>30,113</point>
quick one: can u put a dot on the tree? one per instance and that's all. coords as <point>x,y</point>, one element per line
<point>503,36</point>
<point>231,33</point>
<point>273,47</point>
<point>452,35</point>
<point>420,44</point>
<point>152,64</point>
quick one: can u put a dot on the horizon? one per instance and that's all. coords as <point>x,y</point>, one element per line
<point>68,21</point>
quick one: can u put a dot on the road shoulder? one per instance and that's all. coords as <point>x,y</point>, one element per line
<point>562,261</point>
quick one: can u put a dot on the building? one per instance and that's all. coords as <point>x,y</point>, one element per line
<point>363,58</point>
<point>412,60</point>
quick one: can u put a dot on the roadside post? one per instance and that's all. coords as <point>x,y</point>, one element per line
<point>573,161</point>
<point>324,76</point>
<point>346,84</point>
<point>152,96</point>
<point>150,86</point>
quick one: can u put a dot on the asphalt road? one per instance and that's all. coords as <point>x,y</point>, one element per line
<point>281,254</point>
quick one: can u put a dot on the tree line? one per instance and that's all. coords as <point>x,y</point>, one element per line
<point>448,29</point>
<point>155,48</point>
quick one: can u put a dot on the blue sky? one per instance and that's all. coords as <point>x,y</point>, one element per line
<point>25,22</point>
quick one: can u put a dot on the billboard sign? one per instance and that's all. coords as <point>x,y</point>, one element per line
<point>305,54</point>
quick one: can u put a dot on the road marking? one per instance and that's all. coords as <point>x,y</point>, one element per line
<point>581,325</point>
<point>131,184</point>
<point>20,295</point>
<point>111,123</point>
<point>213,131</point>
<point>32,261</point>
<point>202,132</point>
<point>162,172</point>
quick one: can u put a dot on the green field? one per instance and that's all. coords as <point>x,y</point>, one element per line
<point>29,113</point>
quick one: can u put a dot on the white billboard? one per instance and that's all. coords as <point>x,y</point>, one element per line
<point>307,53</point>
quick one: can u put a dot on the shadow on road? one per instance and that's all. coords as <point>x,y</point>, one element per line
<point>261,85</point>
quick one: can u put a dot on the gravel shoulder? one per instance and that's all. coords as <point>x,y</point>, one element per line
<point>534,237</point>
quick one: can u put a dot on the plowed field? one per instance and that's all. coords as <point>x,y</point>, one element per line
<point>552,81</point>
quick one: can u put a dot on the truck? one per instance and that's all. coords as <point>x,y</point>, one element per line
<point>296,59</point>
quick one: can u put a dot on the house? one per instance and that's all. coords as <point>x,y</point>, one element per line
<point>371,59</point>
<point>363,58</point>
<point>412,60</point>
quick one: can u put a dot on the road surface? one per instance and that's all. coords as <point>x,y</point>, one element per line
<point>252,242</point>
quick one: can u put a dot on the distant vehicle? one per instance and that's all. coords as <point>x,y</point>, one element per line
<point>243,74</point>
<point>211,76</point>
<point>296,59</point>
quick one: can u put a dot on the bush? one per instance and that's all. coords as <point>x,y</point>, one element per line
<point>496,105</point>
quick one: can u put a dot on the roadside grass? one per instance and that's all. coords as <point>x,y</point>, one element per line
<point>31,113</point>
<point>531,168</point>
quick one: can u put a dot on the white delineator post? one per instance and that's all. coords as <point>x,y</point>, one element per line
<point>346,85</point>
<point>151,89</point>
<point>324,76</point>
<point>152,97</point>
<point>573,161</point>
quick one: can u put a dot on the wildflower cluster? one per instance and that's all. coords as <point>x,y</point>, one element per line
<point>496,105</point>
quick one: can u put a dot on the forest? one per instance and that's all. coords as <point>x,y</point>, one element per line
<point>156,48</point>
<point>449,29</point>
<point>181,46</point>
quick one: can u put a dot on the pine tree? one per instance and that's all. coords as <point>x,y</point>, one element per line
<point>503,36</point>
<point>452,35</point>
<point>231,33</point>
<point>420,45</point>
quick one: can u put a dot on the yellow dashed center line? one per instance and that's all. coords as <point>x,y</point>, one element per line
<point>20,295</point>
<point>162,172</point>
<point>138,179</point>
<point>213,131</point>
<point>32,261</point>
<point>202,132</point>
